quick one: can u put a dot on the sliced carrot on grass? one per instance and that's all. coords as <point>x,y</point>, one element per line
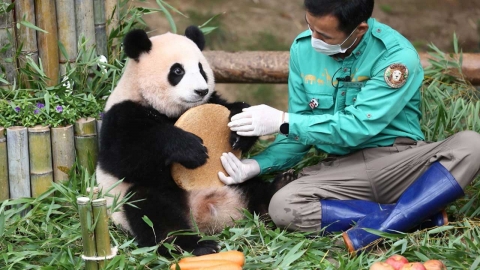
<point>232,256</point>
<point>195,265</point>
<point>225,266</point>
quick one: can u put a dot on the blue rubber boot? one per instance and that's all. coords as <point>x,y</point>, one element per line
<point>429,194</point>
<point>340,215</point>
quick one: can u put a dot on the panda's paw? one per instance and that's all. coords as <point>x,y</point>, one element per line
<point>284,179</point>
<point>242,143</point>
<point>206,247</point>
<point>191,153</point>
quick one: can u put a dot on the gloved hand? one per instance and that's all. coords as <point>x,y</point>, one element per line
<point>257,121</point>
<point>238,170</point>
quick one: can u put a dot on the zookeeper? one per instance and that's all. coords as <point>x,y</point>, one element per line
<point>354,93</point>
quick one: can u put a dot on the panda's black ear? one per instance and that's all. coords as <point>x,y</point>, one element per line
<point>135,43</point>
<point>194,33</point>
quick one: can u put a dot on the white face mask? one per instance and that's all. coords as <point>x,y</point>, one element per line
<point>328,49</point>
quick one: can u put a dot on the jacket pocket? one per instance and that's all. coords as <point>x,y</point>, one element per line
<point>325,102</point>
<point>351,96</point>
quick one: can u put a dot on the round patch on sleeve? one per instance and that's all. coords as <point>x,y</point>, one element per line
<point>396,75</point>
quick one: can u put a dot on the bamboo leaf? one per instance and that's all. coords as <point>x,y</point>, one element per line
<point>168,15</point>
<point>30,25</point>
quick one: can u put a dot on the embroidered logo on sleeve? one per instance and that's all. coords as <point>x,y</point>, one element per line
<point>396,75</point>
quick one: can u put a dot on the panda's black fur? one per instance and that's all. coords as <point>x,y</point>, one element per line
<point>139,143</point>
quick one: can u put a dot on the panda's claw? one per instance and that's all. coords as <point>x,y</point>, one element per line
<point>206,247</point>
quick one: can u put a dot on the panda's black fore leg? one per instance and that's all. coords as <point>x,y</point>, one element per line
<point>283,179</point>
<point>206,247</point>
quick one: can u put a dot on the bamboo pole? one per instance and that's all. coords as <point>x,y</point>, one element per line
<point>100,30</point>
<point>18,166</point>
<point>102,236</point>
<point>85,21</point>
<point>40,152</point>
<point>26,37</point>
<point>86,144</point>
<point>48,42</point>
<point>99,131</point>
<point>113,21</point>
<point>88,236</point>
<point>63,152</point>
<point>4,190</point>
<point>6,34</point>
<point>66,32</point>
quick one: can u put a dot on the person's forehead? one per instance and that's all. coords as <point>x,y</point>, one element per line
<point>327,23</point>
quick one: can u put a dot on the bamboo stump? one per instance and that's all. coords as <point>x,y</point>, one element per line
<point>102,236</point>
<point>48,42</point>
<point>18,166</point>
<point>4,190</point>
<point>86,144</point>
<point>40,146</point>
<point>63,152</point>
<point>88,236</point>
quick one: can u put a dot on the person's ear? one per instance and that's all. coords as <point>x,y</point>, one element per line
<point>362,29</point>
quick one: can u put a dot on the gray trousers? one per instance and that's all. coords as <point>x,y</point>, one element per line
<point>375,174</point>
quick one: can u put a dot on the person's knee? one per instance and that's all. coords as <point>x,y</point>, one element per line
<point>279,209</point>
<point>469,141</point>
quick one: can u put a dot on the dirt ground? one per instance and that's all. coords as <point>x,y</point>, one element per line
<point>273,24</point>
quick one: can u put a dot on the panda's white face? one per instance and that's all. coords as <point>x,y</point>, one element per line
<point>172,77</point>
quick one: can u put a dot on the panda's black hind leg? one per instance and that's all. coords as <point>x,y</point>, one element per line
<point>283,179</point>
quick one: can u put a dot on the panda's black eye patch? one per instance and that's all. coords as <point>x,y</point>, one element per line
<point>176,74</point>
<point>202,72</point>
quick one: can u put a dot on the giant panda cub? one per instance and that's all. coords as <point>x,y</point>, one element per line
<point>165,76</point>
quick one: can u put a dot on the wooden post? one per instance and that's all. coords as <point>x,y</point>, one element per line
<point>63,152</point>
<point>48,42</point>
<point>100,31</point>
<point>85,22</point>
<point>26,37</point>
<point>4,190</point>
<point>88,235</point>
<point>18,166</point>
<point>7,35</point>
<point>86,144</point>
<point>66,32</point>
<point>40,146</point>
<point>102,236</point>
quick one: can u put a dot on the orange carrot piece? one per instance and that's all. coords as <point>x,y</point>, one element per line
<point>225,266</point>
<point>195,265</point>
<point>232,256</point>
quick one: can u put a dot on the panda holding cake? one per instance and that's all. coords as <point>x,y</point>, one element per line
<point>164,77</point>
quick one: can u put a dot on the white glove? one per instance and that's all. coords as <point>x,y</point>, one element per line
<point>238,170</point>
<point>257,121</point>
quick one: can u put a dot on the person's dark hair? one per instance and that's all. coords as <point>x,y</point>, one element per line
<point>350,13</point>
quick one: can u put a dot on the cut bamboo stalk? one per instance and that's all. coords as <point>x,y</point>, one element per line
<point>18,166</point>
<point>66,32</point>
<point>63,152</point>
<point>88,235</point>
<point>48,42</point>
<point>100,27</point>
<point>84,20</point>
<point>99,131</point>
<point>113,20</point>
<point>94,191</point>
<point>102,236</point>
<point>6,34</point>
<point>40,152</point>
<point>86,144</point>
<point>26,37</point>
<point>4,190</point>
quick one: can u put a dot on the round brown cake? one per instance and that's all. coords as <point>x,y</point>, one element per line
<point>209,122</point>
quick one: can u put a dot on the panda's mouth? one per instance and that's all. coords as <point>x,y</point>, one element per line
<point>192,101</point>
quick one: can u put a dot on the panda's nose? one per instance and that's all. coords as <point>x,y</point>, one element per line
<point>201,92</point>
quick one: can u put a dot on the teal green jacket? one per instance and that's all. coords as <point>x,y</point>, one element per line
<point>376,100</point>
